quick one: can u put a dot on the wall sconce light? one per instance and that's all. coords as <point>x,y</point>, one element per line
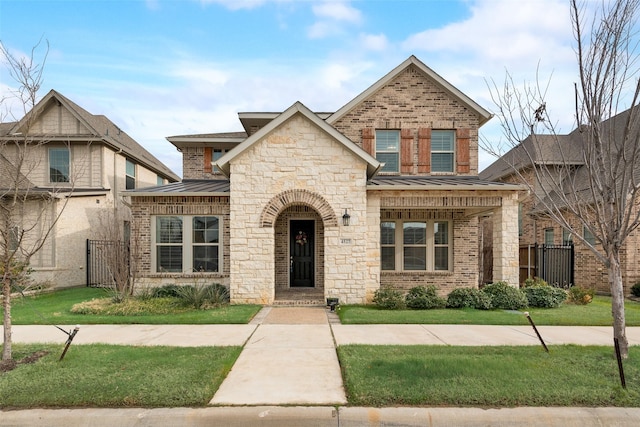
<point>346,218</point>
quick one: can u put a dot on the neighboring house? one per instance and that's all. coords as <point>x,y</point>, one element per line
<point>553,153</point>
<point>383,191</point>
<point>80,161</point>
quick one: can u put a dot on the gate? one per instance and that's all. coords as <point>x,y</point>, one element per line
<point>552,263</point>
<point>100,254</point>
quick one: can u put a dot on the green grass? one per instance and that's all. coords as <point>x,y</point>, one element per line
<point>598,313</point>
<point>55,308</point>
<point>116,376</point>
<point>487,376</point>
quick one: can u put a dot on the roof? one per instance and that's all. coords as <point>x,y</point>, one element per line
<point>100,129</point>
<point>438,183</point>
<point>188,187</point>
<point>484,115</point>
<point>298,108</point>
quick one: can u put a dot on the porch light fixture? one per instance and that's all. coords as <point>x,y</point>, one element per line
<point>346,218</point>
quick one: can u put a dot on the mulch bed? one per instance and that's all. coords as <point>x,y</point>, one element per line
<point>9,365</point>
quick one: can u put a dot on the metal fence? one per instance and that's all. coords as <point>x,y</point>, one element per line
<point>552,263</point>
<point>99,252</point>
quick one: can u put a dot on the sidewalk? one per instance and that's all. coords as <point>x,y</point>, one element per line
<point>289,358</point>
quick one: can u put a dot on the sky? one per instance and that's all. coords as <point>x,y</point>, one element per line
<point>159,68</point>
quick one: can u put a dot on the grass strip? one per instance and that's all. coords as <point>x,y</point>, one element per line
<point>487,376</point>
<point>116,376</point>
<point>55,308</point>
<point>597,313</point>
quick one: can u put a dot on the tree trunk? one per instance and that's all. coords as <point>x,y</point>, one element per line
<point>6,305</point>
<point>617,303</point>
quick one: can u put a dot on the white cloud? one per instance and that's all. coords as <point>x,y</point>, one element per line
<point>337,10</point>
<point>374,42</point>
<point>236,4</point>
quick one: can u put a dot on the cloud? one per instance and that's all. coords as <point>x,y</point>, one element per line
<point>374,42</point>
<point>338,11</point>
<point>235,4</point>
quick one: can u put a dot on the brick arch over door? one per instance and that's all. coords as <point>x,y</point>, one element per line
<point>297,197</point>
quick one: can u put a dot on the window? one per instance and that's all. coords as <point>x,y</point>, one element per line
<point>216,155</point>
<point>520,226</point>
<point>14,238</point>
<point>387,149</point>
<point>588,236</point>
<point>548,236</point>
<point>567,237</point>
<point>442,150</point>
<point>130,175</point>
<point>415,245</point>
<point>187,244</point>
<point>159,180</point>
<point>58,165</point>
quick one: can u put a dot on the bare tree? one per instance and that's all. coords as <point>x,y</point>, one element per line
<point>590,178</point>
<point>28,212</point>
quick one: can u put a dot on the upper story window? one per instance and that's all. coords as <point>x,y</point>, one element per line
<point>442,150</point>
<point>130,175</point>
<point>588,236</point>
<point>159,180</point>
<point>567,237</point>
<point>388,149</point>
<point>217,153</point>
<point>59,164</point>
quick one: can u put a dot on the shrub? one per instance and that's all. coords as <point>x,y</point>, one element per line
<point>201,296</point>
<point>424,298</point>
<point>217,295</point>
<point>505,297</point>
<point>167,291</point>
<point>534,281</point>
<point>635,290</point>
<point>544,296</point>
<point>388,298</point>
<point>580,296</point>
<point>469,298</point>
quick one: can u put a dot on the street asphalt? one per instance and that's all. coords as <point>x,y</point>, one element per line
<point>288,374</point>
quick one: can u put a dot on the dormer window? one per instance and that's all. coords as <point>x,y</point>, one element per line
<point>388,149</point>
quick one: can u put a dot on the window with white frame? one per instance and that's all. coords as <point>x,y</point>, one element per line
<point>588,236</point>
<point>130,175</point>
<point>187,244</point>
<point>388,149</point>
<point>548,236</point>
<point>217,153</point>
<point>159,180</point>
<point>59,164</point>
<point>442,150</point>
<point>415,245</point>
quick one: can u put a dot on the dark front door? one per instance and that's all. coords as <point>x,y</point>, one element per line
<point>301,251</point>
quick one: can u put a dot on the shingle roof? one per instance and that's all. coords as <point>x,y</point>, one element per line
<point>102,128</point>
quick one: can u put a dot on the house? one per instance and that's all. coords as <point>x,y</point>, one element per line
<point>560,161</point>
<point>76,165</point>
<point>383,191</point>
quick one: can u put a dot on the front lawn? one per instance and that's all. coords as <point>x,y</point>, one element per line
<point>55,308</point>
<point>487,376</point>
<point>116,376</point>
<point>597,313</point>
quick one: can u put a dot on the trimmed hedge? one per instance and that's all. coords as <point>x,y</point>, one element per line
<point>505,297</point>
<point>544,296</point>
<point>388,298</point>
<point>469,298</point>
<point>424,298</point>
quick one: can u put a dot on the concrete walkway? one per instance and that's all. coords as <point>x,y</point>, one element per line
<point>289,359</point>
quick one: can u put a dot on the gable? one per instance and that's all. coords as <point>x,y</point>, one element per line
<point>308,127</point>
<point>56,119</point>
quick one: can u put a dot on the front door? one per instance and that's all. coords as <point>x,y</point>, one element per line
<point>301,252</point>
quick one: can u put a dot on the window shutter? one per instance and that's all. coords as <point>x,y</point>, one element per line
<point>424,150</point>
<point>406,151</point>
<point>462,150</point>
<point>207,159</point>
<point>368,136</point>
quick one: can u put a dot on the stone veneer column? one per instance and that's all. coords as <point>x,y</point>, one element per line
<point>505,242</point>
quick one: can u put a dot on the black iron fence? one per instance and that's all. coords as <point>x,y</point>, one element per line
<point>553,263</point>
<point>100,256</point>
